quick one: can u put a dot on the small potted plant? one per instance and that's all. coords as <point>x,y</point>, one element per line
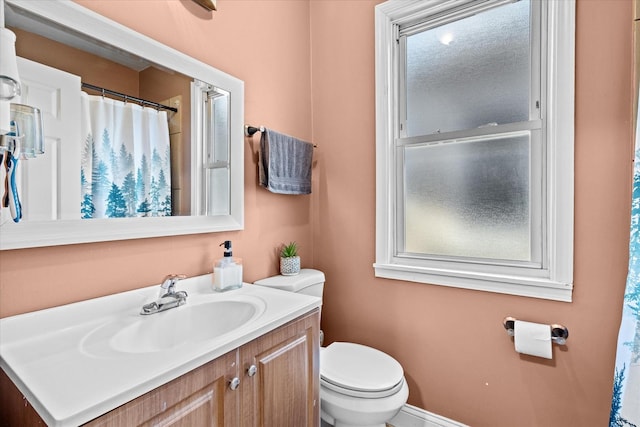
<point>289,260</point>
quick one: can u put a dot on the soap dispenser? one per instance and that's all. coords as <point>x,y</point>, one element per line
<point>227,271</point>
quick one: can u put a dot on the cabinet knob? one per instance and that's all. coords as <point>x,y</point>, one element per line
<point>252,370</point>
<point>234,383</point>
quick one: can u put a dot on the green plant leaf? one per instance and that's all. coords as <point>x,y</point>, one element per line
<point>289,250</point>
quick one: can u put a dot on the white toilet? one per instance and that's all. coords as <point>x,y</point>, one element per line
<point>359,385</point>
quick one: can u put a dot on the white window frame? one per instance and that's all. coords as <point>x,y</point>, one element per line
<point>554,278</point>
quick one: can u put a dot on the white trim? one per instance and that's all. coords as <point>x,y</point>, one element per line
<point>67,232</point>
<point>412,416</point>
<point>503,284</point>
<point>47,233</point>
<point>198,90</point>
<point>560,128</point>
<point>554,280</point>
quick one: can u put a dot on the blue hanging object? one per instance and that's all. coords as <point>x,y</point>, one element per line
<point>12,154</point>
<point>625,403</point>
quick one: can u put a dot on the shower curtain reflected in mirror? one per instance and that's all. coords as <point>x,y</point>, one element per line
<point>625,404</point>
<point>125,160</point>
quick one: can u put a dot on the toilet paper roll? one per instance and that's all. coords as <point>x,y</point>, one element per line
<point>533,339</point>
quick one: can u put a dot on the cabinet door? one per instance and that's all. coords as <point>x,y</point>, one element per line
<point>15,410</point>
<point>197,399</point>
<point>281,376</point>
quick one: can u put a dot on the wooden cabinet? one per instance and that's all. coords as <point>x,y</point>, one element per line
<point>276,384</point>
<point>200,398</point>
<point>281,377</point>
<point>15,410</point>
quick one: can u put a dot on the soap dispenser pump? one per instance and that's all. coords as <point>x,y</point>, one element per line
<point>227,271</point>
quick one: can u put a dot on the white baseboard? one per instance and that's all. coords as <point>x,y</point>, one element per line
<point>411,416</point>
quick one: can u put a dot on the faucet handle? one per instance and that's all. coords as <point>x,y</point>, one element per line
<point>170,281</point>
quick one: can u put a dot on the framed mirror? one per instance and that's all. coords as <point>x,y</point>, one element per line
<point>206,159</point>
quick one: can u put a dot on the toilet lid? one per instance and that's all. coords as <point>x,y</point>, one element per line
<point>360,368</point>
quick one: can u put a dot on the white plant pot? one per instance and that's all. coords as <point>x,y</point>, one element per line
<point>289,266</point>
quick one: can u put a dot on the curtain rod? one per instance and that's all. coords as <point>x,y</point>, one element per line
<point>127,97</point>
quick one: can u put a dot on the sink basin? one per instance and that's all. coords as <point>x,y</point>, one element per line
<point>190,323</point>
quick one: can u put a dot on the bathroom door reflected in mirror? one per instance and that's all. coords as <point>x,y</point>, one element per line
<point>198,173</point>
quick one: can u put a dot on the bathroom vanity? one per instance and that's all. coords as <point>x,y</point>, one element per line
<point>254,363</point>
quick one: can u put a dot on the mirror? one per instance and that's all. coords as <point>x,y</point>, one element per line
<point>207,164</point>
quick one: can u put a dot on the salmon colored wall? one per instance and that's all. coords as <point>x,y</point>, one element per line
<point>308,68</point>
<point>93,69</point>
<point>457,357</point>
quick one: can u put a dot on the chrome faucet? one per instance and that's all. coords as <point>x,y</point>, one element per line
<point>169,297</point>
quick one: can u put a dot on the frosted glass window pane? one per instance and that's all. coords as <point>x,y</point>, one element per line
<point>218,198</point>
<point>469,199</point>
<point>469,73</point>
<point>217,127</point>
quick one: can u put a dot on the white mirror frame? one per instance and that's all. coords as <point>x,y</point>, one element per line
<point>62,232</point>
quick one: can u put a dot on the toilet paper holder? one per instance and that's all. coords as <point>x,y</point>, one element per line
<point>559,333</point>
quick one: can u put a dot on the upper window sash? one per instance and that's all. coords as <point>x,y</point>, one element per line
<point>451,11</point>
<point>446,12</point>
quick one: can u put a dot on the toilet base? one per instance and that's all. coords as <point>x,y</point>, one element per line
<point>341,410</point>
<point>339,424</point>
<point>323,423</point>
<point>353,425</point>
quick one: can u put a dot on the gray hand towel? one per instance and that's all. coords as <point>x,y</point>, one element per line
<point>285,163</point>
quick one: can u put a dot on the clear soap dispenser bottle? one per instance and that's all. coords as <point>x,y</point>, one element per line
<point>227,271</point>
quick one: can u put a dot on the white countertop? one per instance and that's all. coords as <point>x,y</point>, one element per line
<point>49,354</point>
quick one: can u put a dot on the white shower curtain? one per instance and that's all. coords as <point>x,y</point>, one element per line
<point>126,168</point>
<point>625,404</point>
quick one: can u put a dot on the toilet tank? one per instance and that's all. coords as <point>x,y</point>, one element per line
<point>308,282</point>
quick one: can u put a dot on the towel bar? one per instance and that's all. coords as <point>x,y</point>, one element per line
<point>250,130</point>
<point>559,333</point>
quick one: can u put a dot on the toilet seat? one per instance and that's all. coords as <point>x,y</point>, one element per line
<point>359,371</point>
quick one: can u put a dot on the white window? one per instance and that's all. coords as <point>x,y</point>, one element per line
<point>474,144</point>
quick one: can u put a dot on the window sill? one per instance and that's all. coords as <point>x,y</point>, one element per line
<point>533,287</point>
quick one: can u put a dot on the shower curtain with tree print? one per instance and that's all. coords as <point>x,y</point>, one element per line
<point>125,160</point>
<point>625,404</point>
